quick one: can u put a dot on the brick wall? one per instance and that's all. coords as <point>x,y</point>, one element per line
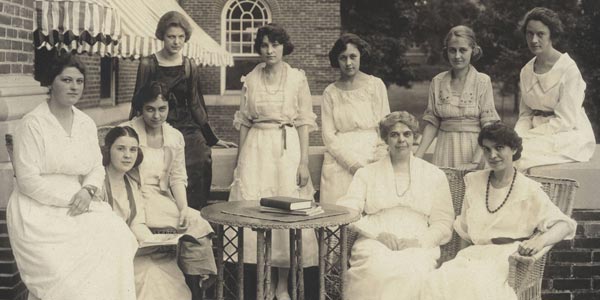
<point>127,71</point>
<point>313,26</point>
<point>573,268</point>
<point>16,37</point>
<point>221,120</point>
<point>91,93</point>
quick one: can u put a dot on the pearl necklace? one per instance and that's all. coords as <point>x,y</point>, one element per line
<point>400,195</point>
<point>487,190</point>
<point>282,79</point>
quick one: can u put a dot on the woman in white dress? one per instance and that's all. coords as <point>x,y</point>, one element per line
<point>163,180</point>
<point>407,214</point>
<point>274,120</point>
<point>501,211</point>
<point>552,120</point>
<point>156,274</point>
<point>352,108</point>
<point>66,246</point>
<point>461,102</point>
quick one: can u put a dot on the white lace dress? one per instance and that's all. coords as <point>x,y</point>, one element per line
<point>85,257</point>
<point>481,271</point>
<point>566,135</point>
<point>270,156</point>
<point>350,120</point>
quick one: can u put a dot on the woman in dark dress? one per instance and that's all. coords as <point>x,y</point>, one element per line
<point>187,110</point>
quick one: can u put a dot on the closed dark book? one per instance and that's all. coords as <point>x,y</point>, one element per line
<point>288,203</point>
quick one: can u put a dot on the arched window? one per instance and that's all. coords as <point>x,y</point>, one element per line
<point>241,19</point>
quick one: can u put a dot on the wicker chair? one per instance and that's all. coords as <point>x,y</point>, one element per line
<point>525,273</point>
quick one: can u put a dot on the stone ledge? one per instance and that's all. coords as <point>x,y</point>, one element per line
<point>586,174</point>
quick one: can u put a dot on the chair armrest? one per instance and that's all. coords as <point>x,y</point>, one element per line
<point>526,271</point>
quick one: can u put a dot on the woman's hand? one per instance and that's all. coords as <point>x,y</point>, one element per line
<point>226,144</point>
<point>302,175</point>
<point>532,246</point>
<point>184,220</point>
<point>80,203</point>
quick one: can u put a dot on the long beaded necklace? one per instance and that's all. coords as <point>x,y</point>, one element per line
<point>487,190</point>
<point>282,79</point>
<point>400,195</point>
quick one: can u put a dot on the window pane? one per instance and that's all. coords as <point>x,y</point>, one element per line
<point>235,37</point>
<point>235,25</point>
<point>236,13</point>
<point>247,6</point>
<point>247,48</point>
<point>239,69</point>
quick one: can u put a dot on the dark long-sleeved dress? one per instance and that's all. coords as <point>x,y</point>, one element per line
<point>187,113</point>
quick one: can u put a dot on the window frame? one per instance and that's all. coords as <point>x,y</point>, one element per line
<point>225,33</point>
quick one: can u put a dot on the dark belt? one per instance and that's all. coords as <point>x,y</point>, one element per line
<point>542,113</point>
<point>507,240</point>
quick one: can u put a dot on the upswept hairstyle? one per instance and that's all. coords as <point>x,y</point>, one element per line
<point>58,64</point>
<point>548,17</point>
<point>466,33</point>
<point>112,136</point>
<point>502,134</point>
<point>148,93</point>
<point>172,19</point>
<point>342,43</point>
<point>275,33</point>
<point>404,117</point>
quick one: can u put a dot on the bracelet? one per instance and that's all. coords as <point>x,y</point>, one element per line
<point>90,189</point>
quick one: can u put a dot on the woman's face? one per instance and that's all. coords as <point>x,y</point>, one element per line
<point>349,61</point>
<point>271,52</point>
<point>499,157</point>
<point>174,39</point>
<point>67,87</point>
<point>459,52</point>
<point>400,140</point>
<point>155,112</point>
<point>538,38</point>
<point>123,153</point>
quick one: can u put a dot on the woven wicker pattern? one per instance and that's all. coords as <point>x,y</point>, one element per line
<point>526,273</point>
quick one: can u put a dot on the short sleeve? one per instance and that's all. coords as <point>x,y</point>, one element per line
<point>487,108</point>
<point>429,115</point>
<point>242,116</point>
<point>549,214</point>
<point>305,115</point>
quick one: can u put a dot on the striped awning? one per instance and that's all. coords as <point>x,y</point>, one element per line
<point>129,33</point>
<point>139,20</point>
<point>82,25</point>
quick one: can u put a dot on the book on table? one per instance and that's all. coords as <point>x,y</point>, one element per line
<point>312,211</point>
<point>287,203</point>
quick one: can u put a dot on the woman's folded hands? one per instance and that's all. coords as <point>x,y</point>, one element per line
<point>396,244</point>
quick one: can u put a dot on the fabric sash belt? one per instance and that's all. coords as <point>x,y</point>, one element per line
<point>279,124</point>
<point>461,125</point>
<point>542,113</point>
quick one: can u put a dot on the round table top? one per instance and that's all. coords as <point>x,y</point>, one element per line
<point>215,214</point>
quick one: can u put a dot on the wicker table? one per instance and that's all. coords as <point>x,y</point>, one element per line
<point>326,227</point>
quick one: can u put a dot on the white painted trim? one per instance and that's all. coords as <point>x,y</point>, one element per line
<point>234,100</point>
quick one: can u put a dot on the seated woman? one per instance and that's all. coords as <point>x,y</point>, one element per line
<point>407,214</point>
<point>157,275</point>
<point>552,120</point>
<point>163,182</point>
<point>66,245</point>
<point>501,208</point>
